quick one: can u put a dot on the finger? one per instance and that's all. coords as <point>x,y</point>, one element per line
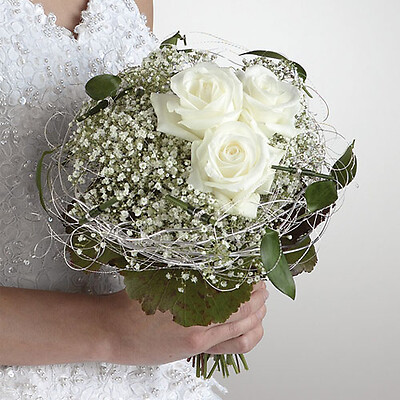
<point>257,300</point>
<point>258,286</point>
<point>231,330</point>
<point>241,344</point>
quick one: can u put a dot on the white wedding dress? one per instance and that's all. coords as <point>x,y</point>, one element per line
<point>43,69</point>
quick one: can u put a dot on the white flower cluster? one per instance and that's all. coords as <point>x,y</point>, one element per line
<point>225,130</point>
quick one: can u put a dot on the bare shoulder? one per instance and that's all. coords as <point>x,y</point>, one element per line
<point>146,8</point>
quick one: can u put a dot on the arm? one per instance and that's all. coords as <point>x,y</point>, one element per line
<point>42,327</point>
<point>146,8</point>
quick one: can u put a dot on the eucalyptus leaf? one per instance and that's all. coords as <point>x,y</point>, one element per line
<point>197,304</point>
<point>345,169</point>
<point>276,265</point>
<point>303,254</point>
<point>320,195</point>
<point>102,86</point>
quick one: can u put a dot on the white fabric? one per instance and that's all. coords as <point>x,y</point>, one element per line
<point>43,68</point>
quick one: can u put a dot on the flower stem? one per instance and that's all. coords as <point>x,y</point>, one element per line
<point>93,213</point>
<point>221,362</point>
<point>306,172</point>
<point>242,358</point>
<point>189,208</point>
<point>215,365</point>
<point>198,366</point>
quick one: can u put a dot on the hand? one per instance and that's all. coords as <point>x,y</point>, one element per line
<point>139,339</point>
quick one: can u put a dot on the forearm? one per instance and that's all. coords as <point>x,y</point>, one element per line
<point>42,327</point>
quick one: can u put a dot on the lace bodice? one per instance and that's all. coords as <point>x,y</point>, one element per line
<point>43,68</point>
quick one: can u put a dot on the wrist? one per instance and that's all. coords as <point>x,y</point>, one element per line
<point>100,349</point>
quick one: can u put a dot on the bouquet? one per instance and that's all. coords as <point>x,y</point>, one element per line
<point>195,176</point>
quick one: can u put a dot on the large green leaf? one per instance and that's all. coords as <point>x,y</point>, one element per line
<point>345,169</point>
<point>102,86</point>
<point>198,304</point>
<point>320,195</point>
<point>276,265</point>
<point>303,254</point>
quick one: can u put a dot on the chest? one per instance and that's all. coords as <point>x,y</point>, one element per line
<point>68,12</point>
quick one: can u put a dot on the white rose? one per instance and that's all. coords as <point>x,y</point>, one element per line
<point>270,105</point>
<point>204,96</point>
<point>234,163</point>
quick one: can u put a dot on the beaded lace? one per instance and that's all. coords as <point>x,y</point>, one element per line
<point>43,68</point>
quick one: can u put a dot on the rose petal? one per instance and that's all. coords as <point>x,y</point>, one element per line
<point>169,120</point>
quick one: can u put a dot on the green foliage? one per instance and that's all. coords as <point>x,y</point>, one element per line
<point>320,195</point>
<point>101,105</point>
<point>305,256</point>
<point>273,54</point>
<point>198,304</point>
<point>102,86</point>
<point>276,265</point>
<point>173,40</point>
<point>345,169</point>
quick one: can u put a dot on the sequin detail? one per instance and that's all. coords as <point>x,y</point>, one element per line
<point>43,68</point>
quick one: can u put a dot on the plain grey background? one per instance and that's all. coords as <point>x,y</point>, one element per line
<point>340,339</point>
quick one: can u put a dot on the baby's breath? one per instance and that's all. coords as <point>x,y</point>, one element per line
<point>119,154</point>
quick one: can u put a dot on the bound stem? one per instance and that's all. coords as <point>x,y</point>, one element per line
<point>221,362</point>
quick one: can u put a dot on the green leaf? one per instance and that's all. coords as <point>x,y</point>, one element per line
<point>265,53</point>
<point>173,40</point>
<point>305,226</point>
<point>345,169</point>
<point>320,195</point>
<point>305,256</point>
<point>302,73</point>
<point>276,265</point>
<point>273,54</point>
<point>198,304</point>
<point>94,110</point>
<point>102,86</point>
<point>39,177</point>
